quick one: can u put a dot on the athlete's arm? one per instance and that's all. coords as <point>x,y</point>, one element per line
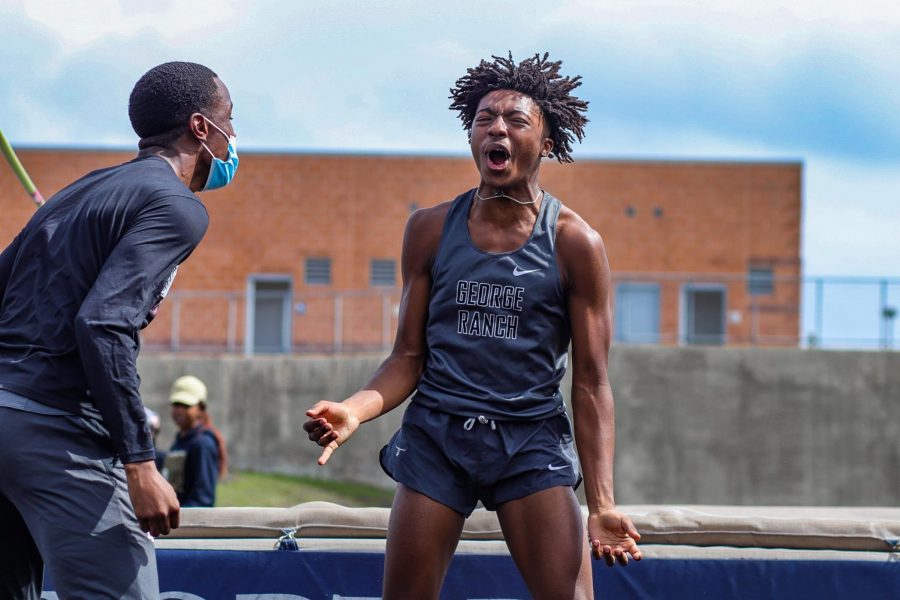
<point>586,273</point>
<point>330,424</point>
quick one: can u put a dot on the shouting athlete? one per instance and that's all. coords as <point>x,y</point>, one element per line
<point>496,284</point>
<point>86,273</point>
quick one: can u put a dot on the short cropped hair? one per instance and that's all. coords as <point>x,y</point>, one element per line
<point>535,77</point>
<point>163,100</point>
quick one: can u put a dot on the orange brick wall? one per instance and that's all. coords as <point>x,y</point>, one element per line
<point>716,218</point>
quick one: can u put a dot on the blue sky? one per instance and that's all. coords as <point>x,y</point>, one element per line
<point>800,80</point>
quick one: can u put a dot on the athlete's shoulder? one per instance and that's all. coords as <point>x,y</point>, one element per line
<point>423,234</point>
<point>581,253</point>
<point>426,220</point>
<point>426,225</point>
<point>574,234</point>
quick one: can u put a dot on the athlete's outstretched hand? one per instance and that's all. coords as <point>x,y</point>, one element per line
<point>612,537</point>
<point>329,425</point>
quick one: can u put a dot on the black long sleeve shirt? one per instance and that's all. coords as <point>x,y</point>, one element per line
<point>79,282</point>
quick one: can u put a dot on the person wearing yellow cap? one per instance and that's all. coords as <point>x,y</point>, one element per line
<point>195,450</point>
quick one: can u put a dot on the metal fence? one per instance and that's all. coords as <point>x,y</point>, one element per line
<point>850,312</point>
<point>654,308</point>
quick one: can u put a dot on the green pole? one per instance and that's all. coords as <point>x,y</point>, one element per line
<point>19,170</point>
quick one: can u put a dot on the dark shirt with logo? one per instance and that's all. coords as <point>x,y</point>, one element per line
<point>498,327</point>
<point>79,282</point>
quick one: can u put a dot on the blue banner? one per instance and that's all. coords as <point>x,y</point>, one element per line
<point>315,575</point>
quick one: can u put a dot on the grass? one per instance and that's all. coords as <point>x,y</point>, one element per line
<point>249,488</point>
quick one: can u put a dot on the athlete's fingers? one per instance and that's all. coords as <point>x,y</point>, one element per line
<point>622,558</point>
<point>320,424</point>
<point>163,525</point>
<point>630,529</point>
<point>312,424</point>
<point>175,518</point>
<point>328,439</point>
<point>608,556</point>
<point>595,550</point>
<point>152,527</point>
<point>327,451</point>
<point>317,409</point>
<point>316,432</point>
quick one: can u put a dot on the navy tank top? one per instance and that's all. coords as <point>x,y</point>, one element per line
<point>498,326</point>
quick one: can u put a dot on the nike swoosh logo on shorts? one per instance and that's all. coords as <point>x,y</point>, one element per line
<point>517,271</point>
<point>555,468</point>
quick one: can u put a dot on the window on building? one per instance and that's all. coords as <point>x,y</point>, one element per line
<point>760,281</point>
<point>637,313</point>
<point>383,271</point>
<point>317,271</point>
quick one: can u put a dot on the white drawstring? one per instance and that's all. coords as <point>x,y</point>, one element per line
<point>470,422</point>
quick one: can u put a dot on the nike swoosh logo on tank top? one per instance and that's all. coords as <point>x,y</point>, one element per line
<point>518,272</point>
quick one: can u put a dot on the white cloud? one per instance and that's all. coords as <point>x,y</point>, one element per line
<point>81,23</point>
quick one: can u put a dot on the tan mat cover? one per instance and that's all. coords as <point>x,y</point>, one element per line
<point>811,528</point>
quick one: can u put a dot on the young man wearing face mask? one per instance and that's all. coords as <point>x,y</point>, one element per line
<point>80,489</point>
<point>496,284</point>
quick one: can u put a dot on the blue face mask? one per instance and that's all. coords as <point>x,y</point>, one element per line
<point>221,172</point>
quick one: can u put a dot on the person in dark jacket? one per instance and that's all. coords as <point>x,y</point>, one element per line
<point>195,447</point>
<point>80,489</point>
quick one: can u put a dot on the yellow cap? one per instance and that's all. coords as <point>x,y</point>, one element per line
<point>188,390</point>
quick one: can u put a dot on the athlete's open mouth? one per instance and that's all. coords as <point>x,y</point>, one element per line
<point>497,158</point>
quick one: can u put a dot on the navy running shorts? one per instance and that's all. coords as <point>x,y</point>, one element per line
<point>459,460</point>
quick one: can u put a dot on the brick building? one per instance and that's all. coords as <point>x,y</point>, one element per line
<point>303,249</point>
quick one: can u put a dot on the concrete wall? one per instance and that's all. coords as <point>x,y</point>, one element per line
<point>694,425</point>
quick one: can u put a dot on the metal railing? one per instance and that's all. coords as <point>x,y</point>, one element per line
<point>850,312</point>
<point>661,308</point>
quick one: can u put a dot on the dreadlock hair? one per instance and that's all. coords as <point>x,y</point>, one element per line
<point>164,99</point>
<point>537,78</point>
